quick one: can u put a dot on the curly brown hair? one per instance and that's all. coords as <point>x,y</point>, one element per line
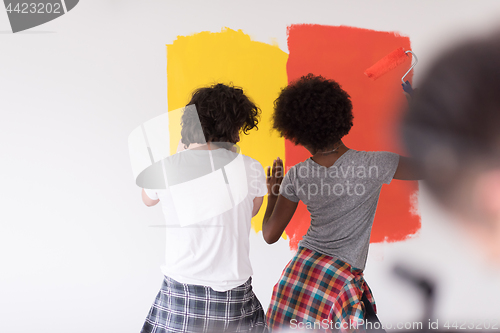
<point>223,111</point>
<point>313,112</point>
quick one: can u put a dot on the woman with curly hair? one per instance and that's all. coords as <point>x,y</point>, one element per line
<point>207,272</point>
<point>323,287</point>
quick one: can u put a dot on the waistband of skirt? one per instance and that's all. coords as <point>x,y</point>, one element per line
<point>174,284</point>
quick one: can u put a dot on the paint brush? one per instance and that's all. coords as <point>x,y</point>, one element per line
<point>387,63</point>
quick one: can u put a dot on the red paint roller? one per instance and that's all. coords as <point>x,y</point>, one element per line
<point>391,61</point>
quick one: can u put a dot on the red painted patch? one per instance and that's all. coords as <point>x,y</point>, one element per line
<point>343,54</point>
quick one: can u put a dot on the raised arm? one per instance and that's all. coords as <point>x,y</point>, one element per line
<point>408,169</point>
<point>279,210</point>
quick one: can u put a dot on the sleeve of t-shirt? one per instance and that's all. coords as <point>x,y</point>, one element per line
<point>287,188</point>
<point>386,164</point>
<point>152,194</point>
<point>257,179</point>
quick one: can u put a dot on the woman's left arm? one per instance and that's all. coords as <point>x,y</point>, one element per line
<point>147,200</point>
<point>408,169</point>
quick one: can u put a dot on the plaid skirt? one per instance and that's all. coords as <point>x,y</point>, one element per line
<point>319,292</point>
<point>190,308</point>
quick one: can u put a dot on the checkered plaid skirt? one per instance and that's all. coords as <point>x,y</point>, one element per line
<point>182,307</point>
<point>318,289</point>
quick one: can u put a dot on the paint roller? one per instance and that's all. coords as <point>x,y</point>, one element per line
<point>391,61</point>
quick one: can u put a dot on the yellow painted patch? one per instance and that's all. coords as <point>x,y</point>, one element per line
<point>230,56</point>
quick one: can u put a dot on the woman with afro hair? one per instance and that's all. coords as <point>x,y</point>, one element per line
<point>322,287</point>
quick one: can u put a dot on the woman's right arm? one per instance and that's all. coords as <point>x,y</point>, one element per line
<point>279,210</point>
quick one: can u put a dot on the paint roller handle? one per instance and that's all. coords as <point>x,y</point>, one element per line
<point>406,84</point>
<point>408,90</point>
<point>407,87</point>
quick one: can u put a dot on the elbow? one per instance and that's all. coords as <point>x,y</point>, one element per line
<point>150,203</point>
<point>270,239</point>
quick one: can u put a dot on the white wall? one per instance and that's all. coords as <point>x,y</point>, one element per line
<point>79,252</point>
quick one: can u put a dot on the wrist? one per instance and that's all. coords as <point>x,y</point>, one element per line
<point>274,190</point>
<point>272,196</point>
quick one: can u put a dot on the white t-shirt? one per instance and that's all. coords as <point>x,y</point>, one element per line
<point>213,252</point>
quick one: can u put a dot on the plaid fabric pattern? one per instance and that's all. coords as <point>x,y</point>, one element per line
<point>316,288</point>
<point>189,308</point>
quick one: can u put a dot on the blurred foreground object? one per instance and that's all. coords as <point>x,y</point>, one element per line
<point>452,129</point>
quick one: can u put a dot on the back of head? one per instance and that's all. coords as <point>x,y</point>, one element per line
<point>313,112</point>
<point>223,112</point>
<point>453,122</point>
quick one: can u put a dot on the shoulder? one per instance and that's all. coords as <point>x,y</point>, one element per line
<point>251,162</point>
<point>380,164</point>
<point>362,154</point>
<point>372,156</point>
<point>292,171</point>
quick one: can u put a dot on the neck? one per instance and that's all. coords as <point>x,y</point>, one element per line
<point>334,149</point>
<point>210,146</point>
<point>327,157</point>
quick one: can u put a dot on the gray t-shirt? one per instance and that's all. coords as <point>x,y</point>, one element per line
<point>342,201</point>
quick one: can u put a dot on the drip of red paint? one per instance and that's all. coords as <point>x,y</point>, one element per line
<point>343,54</point>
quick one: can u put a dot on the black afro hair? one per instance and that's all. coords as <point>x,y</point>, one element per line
<point>313,112</point>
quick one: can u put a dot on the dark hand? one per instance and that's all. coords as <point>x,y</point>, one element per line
<point>274,177</point>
